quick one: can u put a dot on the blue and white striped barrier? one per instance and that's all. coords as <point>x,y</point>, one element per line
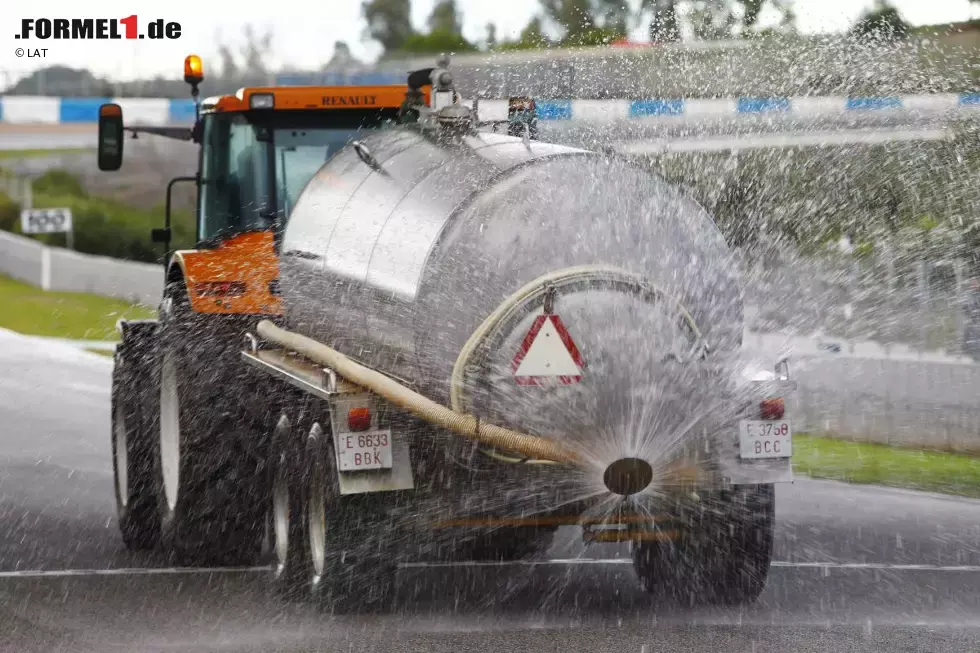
<point>28,109</point>
<point>25,109</point>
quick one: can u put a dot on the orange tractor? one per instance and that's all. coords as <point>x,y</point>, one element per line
<point>258,149</point>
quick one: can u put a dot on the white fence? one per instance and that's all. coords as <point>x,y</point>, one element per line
<point>54,268</point>
<point>931,405</point>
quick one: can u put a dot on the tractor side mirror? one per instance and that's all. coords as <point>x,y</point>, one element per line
<point>111,138</point>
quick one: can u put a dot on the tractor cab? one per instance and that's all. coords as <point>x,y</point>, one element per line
<point>258,147</point>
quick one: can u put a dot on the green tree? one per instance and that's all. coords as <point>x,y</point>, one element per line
<point>445,17</point>
<point>663,26</point>
<point>256,49</point>
<point>228,68</point>
<point>588,22</point>
<point>533,32</point>
<point>389,22</point>
<point>532,37</point>
<point>750,11</point>
<point>613,16</point>
<point>574,17</point>
<point>436,42</point>
<point>490,41</point>
<point>342,58</point>
<point>881,23</point>
<point>712,20</point>
<point>445,32</point>
<point>61,80</point>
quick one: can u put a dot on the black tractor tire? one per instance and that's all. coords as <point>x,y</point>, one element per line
<point>133,438</point>
<point>350,540</point>
<point>512,543</point>
<point>724,556</point>
<point>211,486</point>
<point>748,553</point>
<point>291,560</point>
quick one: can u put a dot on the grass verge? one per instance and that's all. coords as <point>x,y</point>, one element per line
<point>101,352</point>
<point>879,464</point>
<point>32,311</point>
<point>30,154</point>
<point>103,225</point>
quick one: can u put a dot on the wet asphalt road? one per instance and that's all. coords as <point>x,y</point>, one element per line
<point>859,568</point>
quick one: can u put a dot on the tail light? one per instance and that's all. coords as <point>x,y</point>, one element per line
<point>220,289</point>
<point>772,408</point>
<point>359,419</point>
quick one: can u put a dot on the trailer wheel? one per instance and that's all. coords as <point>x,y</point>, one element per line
<point>132,455</point>
<point>288,526</point>
<point>676,572</point>
<point>347,540</point>
<point>210,486</point>
<point>747,553</point>
<point>724,558</point>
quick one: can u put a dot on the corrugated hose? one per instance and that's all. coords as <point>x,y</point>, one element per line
<point>468,426</point>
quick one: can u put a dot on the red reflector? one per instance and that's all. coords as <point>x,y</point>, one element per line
<point>359,419</point>
<point>772,408</point>
<point>220,289</point>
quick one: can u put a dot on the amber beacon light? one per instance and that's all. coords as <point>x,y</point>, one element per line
<point>193,69</point>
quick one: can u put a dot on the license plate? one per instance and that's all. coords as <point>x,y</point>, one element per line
<point>765,439</point>
<point>364,450</point>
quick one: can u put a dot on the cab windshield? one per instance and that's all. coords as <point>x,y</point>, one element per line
<point>255,164</point>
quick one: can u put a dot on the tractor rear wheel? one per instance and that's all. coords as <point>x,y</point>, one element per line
<point>133,421</point>
<point>211,486</point>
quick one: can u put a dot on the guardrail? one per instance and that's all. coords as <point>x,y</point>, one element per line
<point>26,109</point>
<point>55,268</point>
<point>904,403</point>
<point>31,109</point>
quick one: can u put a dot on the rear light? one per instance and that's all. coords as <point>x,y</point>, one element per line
<point>220,289</point>
<point>359,419</point>
<point>772,408</point>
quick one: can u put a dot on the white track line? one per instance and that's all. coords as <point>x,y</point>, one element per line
<point>171,571</point>
<point>130,571</point>
<point>875,565</point>
<point>626,561</point>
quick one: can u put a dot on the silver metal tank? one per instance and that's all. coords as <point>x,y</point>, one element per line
<point>397,265</point>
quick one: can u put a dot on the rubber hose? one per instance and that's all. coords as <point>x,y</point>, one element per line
<point>468,426</point>
<point>538,287</point>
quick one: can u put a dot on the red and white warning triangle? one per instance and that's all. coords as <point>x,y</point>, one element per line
<point>548,355</point>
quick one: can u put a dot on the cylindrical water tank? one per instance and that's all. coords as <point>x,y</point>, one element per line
<point>399,250</point>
